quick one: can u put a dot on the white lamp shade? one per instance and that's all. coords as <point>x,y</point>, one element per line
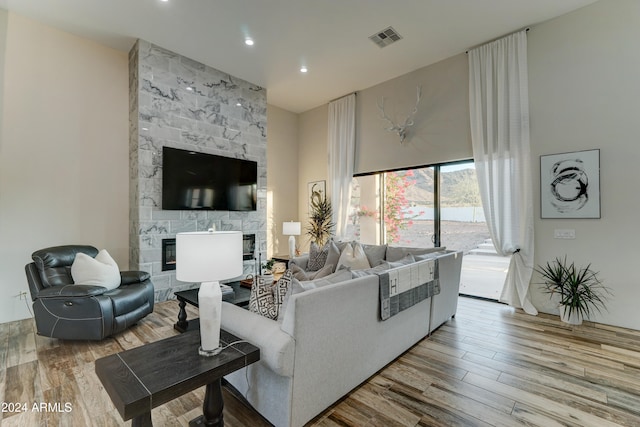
<point>291,228</point>
<point>208,256</point>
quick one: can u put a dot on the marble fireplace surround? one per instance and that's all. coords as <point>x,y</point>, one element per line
<point>177,102</point>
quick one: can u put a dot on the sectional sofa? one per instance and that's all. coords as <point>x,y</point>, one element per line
<point>331,339</point>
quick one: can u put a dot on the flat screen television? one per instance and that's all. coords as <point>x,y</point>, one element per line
<point>199,181</point>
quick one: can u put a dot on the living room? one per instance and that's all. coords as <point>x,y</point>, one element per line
<point>65,153</point>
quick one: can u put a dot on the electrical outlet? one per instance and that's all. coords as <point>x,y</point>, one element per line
<point>568,233</point>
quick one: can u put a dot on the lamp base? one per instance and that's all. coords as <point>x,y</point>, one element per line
<point>209,353</point>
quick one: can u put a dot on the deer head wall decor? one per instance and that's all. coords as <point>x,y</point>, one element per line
<point>401,130</point>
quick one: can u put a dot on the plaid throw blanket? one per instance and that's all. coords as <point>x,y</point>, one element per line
<point>407,285</point>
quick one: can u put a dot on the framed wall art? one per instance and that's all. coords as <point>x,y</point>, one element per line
<point>570,185</point>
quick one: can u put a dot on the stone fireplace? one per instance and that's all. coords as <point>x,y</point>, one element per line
<point>177,102</point>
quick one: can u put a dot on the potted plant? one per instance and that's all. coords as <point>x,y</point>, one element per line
<point>579,288</point>
<point>320,220</point>
<point>266,273</point>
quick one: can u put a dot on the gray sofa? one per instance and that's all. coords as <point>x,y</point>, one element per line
<point>331,340</point>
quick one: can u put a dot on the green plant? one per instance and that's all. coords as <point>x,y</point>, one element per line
<point>581,291</point>
<point>267,266</point>
<point>320,220</point>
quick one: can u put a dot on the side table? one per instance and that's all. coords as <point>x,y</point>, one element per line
<point>145,377</point>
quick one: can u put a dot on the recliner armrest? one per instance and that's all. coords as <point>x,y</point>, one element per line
<point>71,291</point>
<point>131,277</point>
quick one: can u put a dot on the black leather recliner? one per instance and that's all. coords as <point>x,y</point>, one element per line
<point>83,312</point>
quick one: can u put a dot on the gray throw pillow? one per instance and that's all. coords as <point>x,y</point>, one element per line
<point>300,274</point>
<point>317,256</point>
<point>375,253</point>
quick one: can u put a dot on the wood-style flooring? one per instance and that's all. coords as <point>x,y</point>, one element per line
<point>490,366</point>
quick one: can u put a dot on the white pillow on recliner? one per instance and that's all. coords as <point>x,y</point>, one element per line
<point>99,271</point>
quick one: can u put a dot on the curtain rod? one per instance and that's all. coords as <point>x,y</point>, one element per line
<point>498,38</point>
<point>344,96</point>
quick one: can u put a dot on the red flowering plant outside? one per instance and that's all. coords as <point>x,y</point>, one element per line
<point>395,202</point>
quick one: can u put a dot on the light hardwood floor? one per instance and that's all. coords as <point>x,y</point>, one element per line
<point>490,366</point>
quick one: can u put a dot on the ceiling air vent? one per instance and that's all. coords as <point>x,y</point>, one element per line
<point>385,37</point>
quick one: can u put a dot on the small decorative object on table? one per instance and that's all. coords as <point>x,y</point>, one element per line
<point>580,290</point>
<point>267,272</point>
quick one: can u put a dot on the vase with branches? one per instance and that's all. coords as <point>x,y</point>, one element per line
<point>321,222</point>
<point>580,290</point>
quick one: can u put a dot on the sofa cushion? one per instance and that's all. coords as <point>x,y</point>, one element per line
<point>397,253</point>
<point>266,299</point>
<point>353,256</point>
<point>99,271</point>
<point>407,259</point>
<point>300,274</point>
<point>371,271</point>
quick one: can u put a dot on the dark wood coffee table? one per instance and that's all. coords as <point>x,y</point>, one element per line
<point>142,378</point>
<point>240,297</point>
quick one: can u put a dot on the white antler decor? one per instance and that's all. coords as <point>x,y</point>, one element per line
<point>401,130</point>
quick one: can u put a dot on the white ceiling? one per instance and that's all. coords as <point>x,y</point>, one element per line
<point>328,36</point>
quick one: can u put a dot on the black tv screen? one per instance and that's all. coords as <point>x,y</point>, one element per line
<point>199,181</point>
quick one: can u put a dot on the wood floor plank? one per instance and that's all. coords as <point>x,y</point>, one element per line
<point>568,398</point>
<point>543,404</point>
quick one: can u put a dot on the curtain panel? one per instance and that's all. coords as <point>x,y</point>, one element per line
<point>342,141</point>
<point>499,108</point>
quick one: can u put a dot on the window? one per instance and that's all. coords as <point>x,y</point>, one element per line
<point>425,207</point>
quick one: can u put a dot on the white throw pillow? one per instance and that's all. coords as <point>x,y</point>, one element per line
<point>99,271</point>
<point>353,256</point>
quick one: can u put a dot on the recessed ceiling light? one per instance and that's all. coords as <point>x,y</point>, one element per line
<point>303,69</point>
<point>164,1</point>
<point>248,41</point>
<point>238,104</point>
<point>189,88</point>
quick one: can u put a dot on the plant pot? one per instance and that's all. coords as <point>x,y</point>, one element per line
<point>570,317</point>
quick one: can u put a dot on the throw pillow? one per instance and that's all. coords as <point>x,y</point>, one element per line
<point>353,256</point>
<point>375,254</point>
<point>261,301</point>
<point>317,256</point>
<point>266,300</point>
<point>99,271</point>
<point>300,274</point>
<point>333,255</point>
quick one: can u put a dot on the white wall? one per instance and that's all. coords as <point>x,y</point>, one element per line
<point>584,71</point>
<point>312,160</point>
<point>282,177</point>
<point>63,151</point>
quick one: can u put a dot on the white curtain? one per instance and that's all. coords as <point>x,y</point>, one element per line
<point>342,140</point>
<point>499,106</point>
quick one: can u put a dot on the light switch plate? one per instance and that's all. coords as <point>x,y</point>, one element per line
<point>567,233</point>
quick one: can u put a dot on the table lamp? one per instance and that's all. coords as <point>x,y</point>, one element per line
<point>291,229</point>
<point>208,257</point>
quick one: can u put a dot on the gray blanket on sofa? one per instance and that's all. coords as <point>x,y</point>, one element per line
<point>407,285</point>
